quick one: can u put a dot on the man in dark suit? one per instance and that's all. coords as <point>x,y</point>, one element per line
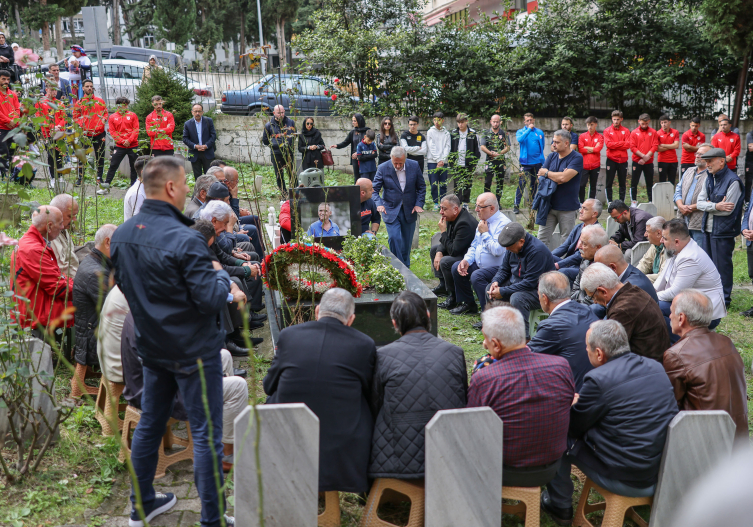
<point>564,332</point>
<point>199,136</point>
<point>329,366</point>
<point>567,256</point>
<point>613,258</point>
<point>404,193</point>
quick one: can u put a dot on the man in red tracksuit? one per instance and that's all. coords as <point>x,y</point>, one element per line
<point>124,128</point>
<point>90,113</point>
<point>691,140</point>
<point>160,125</point>
<point>54,120</point>
<point>590,145</point>
<point>669,142</point>
<point>617,141</point>
<point>10,111</point>
<point>728,141</point>
<point>643,142</point>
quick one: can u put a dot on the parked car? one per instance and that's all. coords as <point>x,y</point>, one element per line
<point>164,58</point>
<point>298,94</point>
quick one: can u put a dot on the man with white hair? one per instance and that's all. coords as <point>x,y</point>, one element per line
<point>324,226</point>
<point>63,246</point>
<point>279,134</point>
<point>655,258</point>
<point>613,258</point>
<point>536,414</point>
<point>329,366</point>
<point>567,256</point>
<point>200,189</point>
<point>592,238</point>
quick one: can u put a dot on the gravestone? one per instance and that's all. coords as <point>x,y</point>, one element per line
<point>696,442</point>
<point>650,208</point>
<point>638,252</point>
<point>510,215</point>
<point>464,468</point>
<point>612,226</point>
<point>601,185</point>
<point>662,198</point>
<point>414,243</point>
<point>289,453</point>
<point>9,210</point>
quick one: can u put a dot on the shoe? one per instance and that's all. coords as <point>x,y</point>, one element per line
<point>227,465</point>
<point>254,324</point>
<point>558,515</point>
<point>162,503</point>
<point>257,317</point>
<point>440,290</point>
<point>235,350</point>
<point>450,303</point>
<point>237,372</point>
<point>516,209</point>
<point>748,313</point>
<point>229,521</point>
<point>77,183</point>
<point>103,192</point>
<point>478,325</point>
<point>255,341</point>
<point>464,308</point>
<point>633,203</point>
<point>52,182</point>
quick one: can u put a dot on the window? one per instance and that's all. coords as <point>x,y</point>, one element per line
<point>132,56</point>
<point>132,72</point>
<point>311,87</point>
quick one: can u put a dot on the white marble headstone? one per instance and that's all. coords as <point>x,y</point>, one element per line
<point>289,453</point>
<point>696,443</point>
<point>662,198</point>
<point>648,207</point>
<point>464,468</point>
<point>612,226</point>
<point>639,251</point>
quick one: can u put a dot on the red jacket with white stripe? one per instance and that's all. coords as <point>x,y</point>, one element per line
<point>688,158</point>
<point>730,143</point>
<point>90,113</point>
<point>645,141</point>
<point>160,130</point>
<point>10,109</point>
<point>52,118</point>
<point>596,141</point>
<point>124,128</point>
<point>617,142</point>
<point>667,138</point>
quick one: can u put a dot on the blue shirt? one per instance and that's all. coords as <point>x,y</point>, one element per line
<point>566,195</point>
<point>366,165</point>
<point>198,131</point>
<point>485,251</point>
<point>678,189</point>
<point>531,146</point>
<point>317,231</point>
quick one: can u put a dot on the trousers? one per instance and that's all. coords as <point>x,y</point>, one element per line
<point>98,143</point>
<point>200,164</point>
<point>530,172</point>
<point>523,301</point>
<point>588,176</point>
<point>620,170</point>
<point>476,280</point>
<point>117,158</point>
<point>400,236</point>
<point>438,181</point>
<point>445,269</point>
<point>564,218</point>
<point>648,174</point>
<point>234,397</point>
<point>667,172</point>
<point>720,251</point>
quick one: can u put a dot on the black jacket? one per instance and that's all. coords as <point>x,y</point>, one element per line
<point>311,158</point>
<point>232,265</point>
<point>279,135</point>
<point>416,376</point>
<point>622,414</point>
<point>354,137</point>
<point>634,230</point>
<point>524,269</point>
<point>90,287</point>
<point>175,295</point>
<point>7,52</point>
<point>459,235</point>
<point>329,367</point>
<point>385,146</point>
<point>472,148</point>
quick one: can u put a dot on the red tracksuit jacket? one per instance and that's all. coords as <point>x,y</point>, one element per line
<point>730,143</point>
<point>591,161</point>
<point>124,128</point>
<point>688,158</point>
<point>667,138</point>
<point>160,130</point>
<point>90,113</point>
<point>10,109</point>
<point>645,141</point>
<point>50,121</point>
<point>617,143</point>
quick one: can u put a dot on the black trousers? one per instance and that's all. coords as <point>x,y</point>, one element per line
<point>648,174</point>
<point>98,143</point>
<point>748,177</point>
<point>200,165</point>
<point>586,177</point>
<point>720,251</point>
<point>685,166</point>
<point>54,160</point>
<point>5,152</point>
<point>529,476</point>
<point>495,168</point>
<point>668,172</point>
<point>157,153</point>
<point>445,269</point>
<point>281,161</point>
<point>463,177</point>
<point>117,157</point>
<point>621,170</point>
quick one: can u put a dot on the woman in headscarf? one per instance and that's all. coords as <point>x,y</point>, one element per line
<point>355,136</point>
<point>310,145</point>
<point>7,57</point>
<point>148,69</point>
<point>79,69</point>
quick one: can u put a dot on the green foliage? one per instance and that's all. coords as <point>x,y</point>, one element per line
<point>37,14</point>
<point>372,267</point>
<point>175,20</point>
<point>176,96</point>
<point>729,23</point>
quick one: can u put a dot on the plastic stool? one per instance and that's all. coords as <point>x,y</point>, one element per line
<point>528,506</point>
<point>386,490</point>
<point>330,517</point>
<point>109,393</point>
<point>535,317</point>
<point>77,381</point>
<point>615,508</point>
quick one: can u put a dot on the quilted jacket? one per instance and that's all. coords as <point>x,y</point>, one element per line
<point>415,377</point>
<point>90,287</point>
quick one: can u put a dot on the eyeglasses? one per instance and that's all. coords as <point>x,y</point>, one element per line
<point>590,297</point>
<point>387,123</point>
<point>479,207</point>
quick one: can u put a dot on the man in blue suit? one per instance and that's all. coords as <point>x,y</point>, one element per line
<point>567,257</point>
<point>612,257</point>
<point>199,136</point>
<point>403,198</point>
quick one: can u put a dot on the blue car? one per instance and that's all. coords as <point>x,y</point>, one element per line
<point>298,94</point>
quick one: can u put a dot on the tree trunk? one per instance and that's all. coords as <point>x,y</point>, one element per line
<point>242,62</point>
<point>59,37</point>
<point>45,30</point>
<point>127,22</point>
<point>740,89</point>
<point>73,28</point>
<point>116,22</point>
<point>280,30</point>
<point>18,20</point>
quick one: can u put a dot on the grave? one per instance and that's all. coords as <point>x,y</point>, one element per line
<point>662,198</point>
<point>649,207</point>
<point>639,251</point>
<point>612,226</point>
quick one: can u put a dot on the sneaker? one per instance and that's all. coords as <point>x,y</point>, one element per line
<point>52,182</point>
<point>516,209</point>
<point>633,203</point>
<point>103,191</point>
<point>748,313</point>
<point>229,521</point>
<point>77,183</point>
<point>162,503</point>
<point>103,184</point>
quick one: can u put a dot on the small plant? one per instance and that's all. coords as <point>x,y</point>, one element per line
<point>372,267</point>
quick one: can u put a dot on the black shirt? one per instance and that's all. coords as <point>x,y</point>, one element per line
<point>369,215</point>
<point>415,140</point>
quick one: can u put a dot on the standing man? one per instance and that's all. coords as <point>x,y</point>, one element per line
<point>495,144</point>
<point>719,119</point>
<point>278,135</point>
<point>691,183</point>
<point>414,143</point>
<point>64,86</point>
<point>370,217</point>
<point>721,200</point>
<point>669,142</point>
<point>160,125</point>
<point>179,334</point>
<point>691,140</point>
<point>589,146</point>
<point>90,113</point>
<point>567,126</point>
<point>404,194</point>
<point>124,129</point>
<point>10,111</point>
<point>747,232</point>
<point>728,141</point>
<point>465,144</point>
<point>199,136</point>
<point>644,143</point>
<point>438,149</point>
<point>617,140</point>
<point>531,141</point>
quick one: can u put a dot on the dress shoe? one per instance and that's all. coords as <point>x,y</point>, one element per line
<point>449,303</point>
<point>748,313</point>
<point>241,342</point>
<point>254,324</point>
<point>558,515</point>
<point>235,350</point>
<point>478,325</point>
<point>464,308</point>
<point>257,317</point>
<point>237,372</point>
<point>439,290</point>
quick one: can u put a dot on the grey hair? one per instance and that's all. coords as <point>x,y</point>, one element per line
<point>696,306</point>
<point>656,223</point>
<point>595,234</point>
<point>598,275</point>
<point>203,183</point>
<point>216,209</point>
<point>506,325</point>
<point>63,201</point>
<point>103,233</point>
<point>213,170</point>
<point>337,303</point>
<point>452,198</point>
<point>597,205</point>
<point>707,145</point>
<point>156,98</point>
<point>564,135</point>
<point>554,285</point>
<point>610,337</point>
<point>398,152</point>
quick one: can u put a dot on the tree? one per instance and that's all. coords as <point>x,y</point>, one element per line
<point>176,96</point>
<point>284,11</point>
<point>40,16</point>
<point>175,20</point>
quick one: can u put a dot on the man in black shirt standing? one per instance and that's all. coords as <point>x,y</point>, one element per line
<point>495,144</point>
<point>370,217</point>
<point>414,143</point>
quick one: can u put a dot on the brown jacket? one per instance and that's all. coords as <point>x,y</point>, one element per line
<point>707,373</point>
<point>644,322</point>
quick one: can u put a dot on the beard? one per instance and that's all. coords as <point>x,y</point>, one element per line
<point>670,252</point>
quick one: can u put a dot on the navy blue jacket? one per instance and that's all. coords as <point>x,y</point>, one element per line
<point>393,196</point>
<point>716,189</point>
<point>564,334</point>
<point>746,219</point>
<point>524,269</point>
<point>566,255</point>
<point>622,414</point>
<point>542,202</point>
<point>637,278</point>
<point>191,138</point>
<point>175,295</point>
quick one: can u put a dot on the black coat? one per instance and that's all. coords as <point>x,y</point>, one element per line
<point>90,287</point>
<point>329,367</point>
<point>633,230</point>
<point>7,52</point>
<point>311,158</point>
<point>472,148</point>
<point>385,146</point>
<point>416,376</point>
<point>459,235</point>
<point>354,137</point>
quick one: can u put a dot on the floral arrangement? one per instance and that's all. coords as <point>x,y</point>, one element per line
<point>373,268</point>
<point>307,270</point>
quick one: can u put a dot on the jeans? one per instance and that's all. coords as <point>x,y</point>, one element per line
<point>438,181</point>
<point>523,301</point>
<point>200,165</point>
<point>699,237</point>
<point>252,225</point>
<point>368,175</point>
<point>160,385</point>
<point>667,172</point>
<point>666,309</point>
<point>621,170</point>
<point>495,168</point>
<point>648,174</point>
<point>531,171</point>
<point>98,143</point>
<point>476,280</point>
<point>564,218</point>
<point>445,269</point>
<point>117,157</point>
<point>720,251</point>
<point>400,236</point>
<point>588,176</point>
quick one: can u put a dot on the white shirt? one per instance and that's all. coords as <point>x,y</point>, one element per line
<point>559,306</point>
<point>485,251</point>
<point>462,147</point>
<point>401,177</point>
<point>114,311</point>
<point>134,198</point>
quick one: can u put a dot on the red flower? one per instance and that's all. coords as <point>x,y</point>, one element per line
<point>326,92</point>
<point>334,97</point>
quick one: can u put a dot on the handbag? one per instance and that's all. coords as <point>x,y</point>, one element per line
<point>327,160</point>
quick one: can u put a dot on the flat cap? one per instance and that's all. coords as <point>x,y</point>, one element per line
<point>511,233</point>
<point>714,152</point>
<point>218,191</point>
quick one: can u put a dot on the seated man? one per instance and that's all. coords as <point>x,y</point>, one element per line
<point>632,307</point>
<point>458,229</point>
<point>632,227</point>
<point>517,279</point>
<point>114,311</point>
<point>234,388</point>
<point>200,190</point>
<point>93,281</point>
<point>218,191</point>
<point>329,366</point>
<point>655,258</point>
<point>567,257</point>
<point>370,217</point>
<point>62,246</point>
<point>324,226</point>
<point>618,424</point>
<point>476,270</point>
<point>248,224</point>
<point>613,258</point>
<point>536,414</point>
<point>704,367</point>
<point>593,238</point>
<point>564,332</point>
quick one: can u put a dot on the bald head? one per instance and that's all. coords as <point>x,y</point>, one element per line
<point>230,173</point>
<point>67,205</point>
<point>48,220</point>
<point>367,188</point>
<point>486,205</point>
<point>612,257</point>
